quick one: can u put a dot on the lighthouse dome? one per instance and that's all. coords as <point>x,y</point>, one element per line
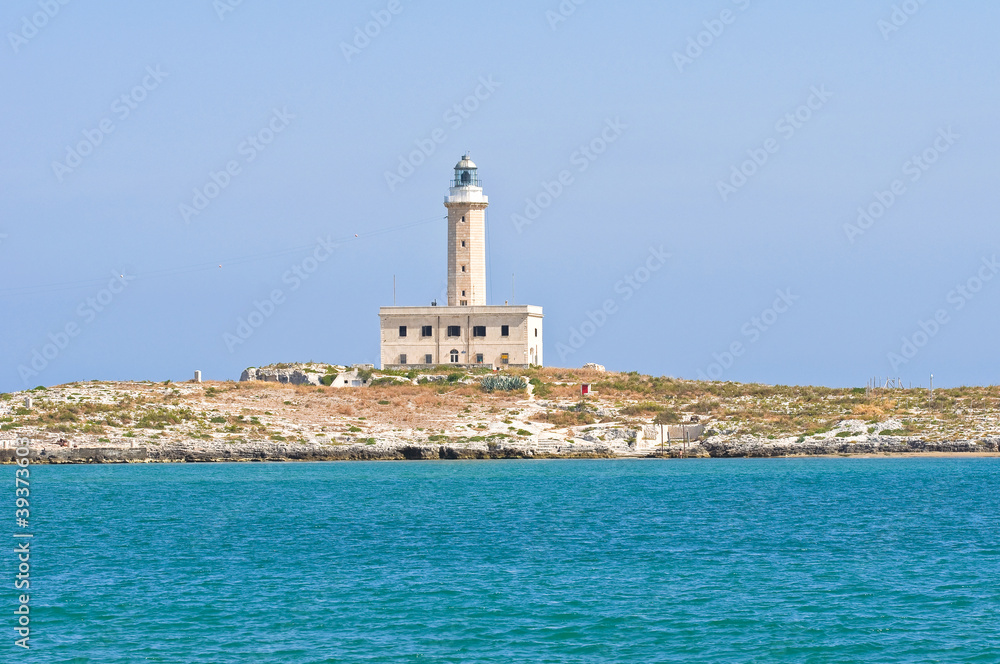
<point>466,173</point>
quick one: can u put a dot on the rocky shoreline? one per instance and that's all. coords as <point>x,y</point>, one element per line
<point>405,451</point>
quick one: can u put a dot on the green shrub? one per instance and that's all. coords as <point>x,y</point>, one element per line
<point>502,383</point>
<point>642,408</point>
<point>328,379</point>
<point>541,389</point>
<point>455,376</point>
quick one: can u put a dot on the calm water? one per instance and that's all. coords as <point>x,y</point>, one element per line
<point>814,560</point>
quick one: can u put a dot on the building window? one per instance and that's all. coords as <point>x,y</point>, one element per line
<point>454,356</point>
<point>463,220</point>
<point>504,358</point>
<point>463,293</point>
<point>428,359</point>
<point>463,243</point>
<point>454,331</point>
<point>402,358</point>
<point>536,331</point>
<point>479,358</point>
<point>463,268</point>
<point>426,331</point>
<point>479,331</point>
<point>402,330</point>
<point>463,303</point>
<point>505,330</point>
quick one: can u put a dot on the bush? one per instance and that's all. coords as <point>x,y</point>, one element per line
<point>541,390</point>
<point>642,408</point>
<point>502,383</point>
<point>328,379</point>
<point>667,416</point>
<point>455,377</point>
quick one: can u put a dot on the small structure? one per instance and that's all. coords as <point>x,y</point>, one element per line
<point>585,389</point>
<point>594,367</point>
<point>197,376</point>
<point>27,402</point>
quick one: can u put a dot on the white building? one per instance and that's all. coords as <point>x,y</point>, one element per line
<point>468,331</point>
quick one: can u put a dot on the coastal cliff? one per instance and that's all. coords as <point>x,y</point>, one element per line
<point>276,415</point>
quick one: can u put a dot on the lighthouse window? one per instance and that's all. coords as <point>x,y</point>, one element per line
<point>505,330</point>
<point>463,220</point>
<point>454,331</point>
<point>463,293</point>
<point>426,331</point>
<point>463,268</point>
<point>463,243</point>
<point>402,330</point>
<point>479,331</point>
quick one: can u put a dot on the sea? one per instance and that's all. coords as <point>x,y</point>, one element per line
<point>642,560</point>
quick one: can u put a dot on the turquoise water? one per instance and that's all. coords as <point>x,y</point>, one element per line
<point>812,560</point>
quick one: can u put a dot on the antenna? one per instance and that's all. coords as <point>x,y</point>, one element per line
<point>393,290</point>
<point>513,300</point>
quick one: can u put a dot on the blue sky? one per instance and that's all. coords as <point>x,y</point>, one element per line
<point>741,138</point>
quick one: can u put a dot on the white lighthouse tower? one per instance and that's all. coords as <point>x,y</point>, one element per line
<point>466,237</point>
<point>469,331</point>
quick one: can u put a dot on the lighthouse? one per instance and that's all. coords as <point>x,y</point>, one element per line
<point>466,237</point>
<point>468,332</point>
